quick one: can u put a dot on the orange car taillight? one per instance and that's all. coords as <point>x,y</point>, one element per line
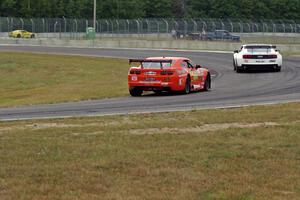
<point>135,72</point>
<point>166,73</point>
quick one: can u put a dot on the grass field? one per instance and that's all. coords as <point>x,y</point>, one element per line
<point>242,154</point>
<point>36,79</point>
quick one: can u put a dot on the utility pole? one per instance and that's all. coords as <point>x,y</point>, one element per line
<point>184,8</point>
<point>95,8</point>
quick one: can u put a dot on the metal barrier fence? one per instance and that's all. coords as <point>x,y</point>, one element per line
<point>147,26</point>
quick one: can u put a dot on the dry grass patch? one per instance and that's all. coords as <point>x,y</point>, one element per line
<point>253,154</point>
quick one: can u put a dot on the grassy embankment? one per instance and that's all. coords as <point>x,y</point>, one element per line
<point>246,153</point>
<point>272,40</point>
<point>35,78</point>
<point>275,41</point>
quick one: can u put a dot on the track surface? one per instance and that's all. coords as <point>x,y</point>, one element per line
<point>228,88</point>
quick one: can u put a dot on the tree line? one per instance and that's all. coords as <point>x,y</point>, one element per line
<point>129,9</point>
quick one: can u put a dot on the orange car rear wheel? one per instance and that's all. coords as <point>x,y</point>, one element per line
<point>207,84</point>
<point>135,91</point>
<point>187,88</point>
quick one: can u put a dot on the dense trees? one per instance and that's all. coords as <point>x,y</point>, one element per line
<point>250,9</point>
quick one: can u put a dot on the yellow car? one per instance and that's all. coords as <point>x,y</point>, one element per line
<point>21,34</point>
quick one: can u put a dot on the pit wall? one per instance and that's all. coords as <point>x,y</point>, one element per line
<point>107,42</point>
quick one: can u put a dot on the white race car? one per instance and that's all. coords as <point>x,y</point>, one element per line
<point>257,56</point>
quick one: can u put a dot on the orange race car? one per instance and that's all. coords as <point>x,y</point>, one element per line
<point>167,74</point>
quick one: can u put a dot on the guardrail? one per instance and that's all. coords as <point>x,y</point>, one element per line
<point>61,26</point>
<point>141,43</point>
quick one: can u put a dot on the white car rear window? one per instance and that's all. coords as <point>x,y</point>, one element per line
<point>258,50</point>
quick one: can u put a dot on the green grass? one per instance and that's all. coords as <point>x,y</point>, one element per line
<point>37,79</point>
<point>246,153</point>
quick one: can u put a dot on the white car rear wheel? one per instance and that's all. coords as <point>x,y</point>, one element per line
<point>234,65</point>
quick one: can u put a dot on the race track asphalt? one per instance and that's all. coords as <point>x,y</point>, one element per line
<point>229,89</point>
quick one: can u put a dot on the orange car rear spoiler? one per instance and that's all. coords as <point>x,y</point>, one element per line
<point>149,60</point>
